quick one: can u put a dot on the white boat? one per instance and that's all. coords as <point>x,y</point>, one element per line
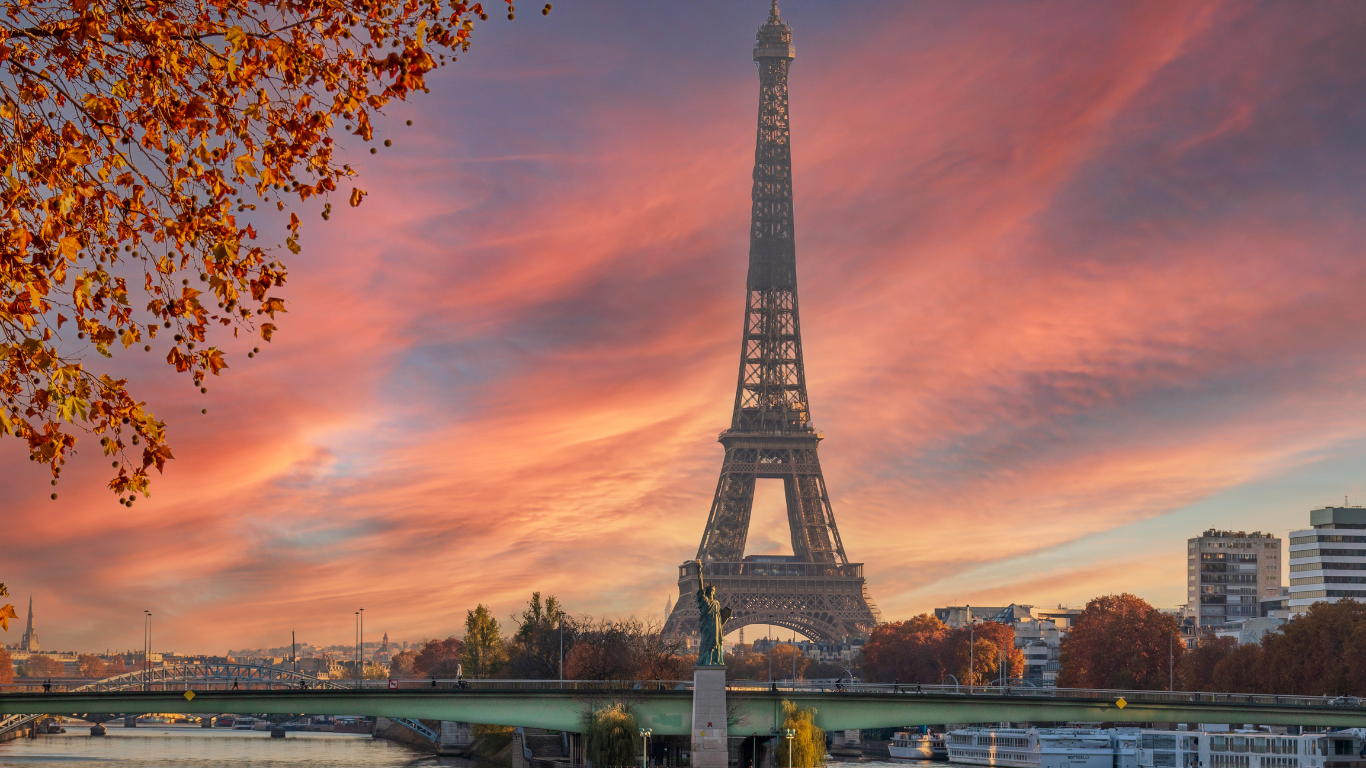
<point>1251,749</point>
<point>918,746</point>
<point>1043,747</point>
<point>243,723</point>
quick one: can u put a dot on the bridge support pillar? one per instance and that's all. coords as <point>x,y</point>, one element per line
<point>130,721</point>
<point>710,747</point>
<point>456,738</point>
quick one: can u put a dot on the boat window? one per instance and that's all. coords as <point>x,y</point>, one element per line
<point>1342,747</point>
<point>1157,741</point>
<point>1218,743</point>
<point>1276,746</point>
<point>1259,744</point>
<point>1164,760</point>
<point>1239,744</point>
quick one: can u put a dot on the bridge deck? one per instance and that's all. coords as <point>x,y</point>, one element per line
<point>668,712</point>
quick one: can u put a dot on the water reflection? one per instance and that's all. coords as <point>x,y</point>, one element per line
<point>170,746</point>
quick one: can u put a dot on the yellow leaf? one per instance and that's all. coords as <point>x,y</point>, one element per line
<point>7,613</point>
<point>266,330</point>
<point>69,246</point>
<point>271,306</point>
<point>356,195</point>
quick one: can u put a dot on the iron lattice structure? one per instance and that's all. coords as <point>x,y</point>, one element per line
<point>205,676</point>
<point>816,591</point>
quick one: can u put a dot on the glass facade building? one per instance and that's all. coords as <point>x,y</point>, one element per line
<point>1328,560</point>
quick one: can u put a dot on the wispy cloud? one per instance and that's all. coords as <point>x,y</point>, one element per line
<point>1068,270</point>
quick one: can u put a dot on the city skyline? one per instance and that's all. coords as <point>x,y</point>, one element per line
<point>1078,281</point>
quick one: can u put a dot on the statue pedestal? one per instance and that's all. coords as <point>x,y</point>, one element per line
<point>710,748</point>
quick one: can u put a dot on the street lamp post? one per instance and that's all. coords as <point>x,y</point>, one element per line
<point>356,636</point>
<point>790,735</point>
<point>972,676</point>
<point>147,650</point>
<point>644,746</point>
<point>360,667</point>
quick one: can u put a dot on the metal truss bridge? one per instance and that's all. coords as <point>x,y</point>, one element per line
<point>666,706</point>
<point>197,677</point>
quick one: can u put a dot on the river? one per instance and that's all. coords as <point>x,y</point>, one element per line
<point>173,746</point>
<point>189,746</point>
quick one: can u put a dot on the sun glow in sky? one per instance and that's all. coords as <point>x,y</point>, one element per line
<point>1078,281</point>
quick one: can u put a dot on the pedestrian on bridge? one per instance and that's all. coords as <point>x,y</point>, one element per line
<point>47,686</point>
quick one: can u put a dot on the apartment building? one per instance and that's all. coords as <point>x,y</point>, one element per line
<point>1228,574</point>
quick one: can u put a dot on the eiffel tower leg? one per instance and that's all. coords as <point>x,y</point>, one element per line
<point>814,536</point>
<point>728,524</point>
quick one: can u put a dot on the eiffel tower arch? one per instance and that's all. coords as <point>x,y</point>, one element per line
<point>816,590</point>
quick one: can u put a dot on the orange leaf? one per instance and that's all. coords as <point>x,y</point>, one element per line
<point>356,195</point>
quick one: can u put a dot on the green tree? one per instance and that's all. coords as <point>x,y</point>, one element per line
<point>535,647</point>
<point>807,747</point>
<point>611,736</point>
<point>1120,641</point>
<point>482,647</point>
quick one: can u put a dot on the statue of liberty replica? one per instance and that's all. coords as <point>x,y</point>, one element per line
<point>712,623</point>
<point>709,681</point>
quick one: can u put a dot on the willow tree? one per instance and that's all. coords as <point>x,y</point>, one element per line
<point>806,748</point>
<point>136,140</point>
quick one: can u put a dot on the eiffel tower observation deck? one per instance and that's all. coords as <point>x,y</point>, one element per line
<point>816,590</point>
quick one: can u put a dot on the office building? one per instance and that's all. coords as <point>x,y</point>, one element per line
<point>1328,560</point>
<point>1228,574</point>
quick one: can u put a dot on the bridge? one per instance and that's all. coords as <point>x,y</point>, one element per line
<point>666,706</point>
<point>197,677</point>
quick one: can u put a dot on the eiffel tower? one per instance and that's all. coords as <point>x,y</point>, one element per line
<point>816,590</point>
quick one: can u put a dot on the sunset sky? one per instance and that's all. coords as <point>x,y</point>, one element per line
<point>1078,280</point>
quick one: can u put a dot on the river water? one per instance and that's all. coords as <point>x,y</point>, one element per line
<point>171,746</point>
<point>189,746</point>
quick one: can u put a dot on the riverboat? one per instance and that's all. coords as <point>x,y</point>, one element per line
<point>1251,749</point>
<point>244,723</point>
<point>1044,747</point>
<point>908,745</point>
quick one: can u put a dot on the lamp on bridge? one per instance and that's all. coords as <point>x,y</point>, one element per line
<point>790,735</point>
<point>644,744</point>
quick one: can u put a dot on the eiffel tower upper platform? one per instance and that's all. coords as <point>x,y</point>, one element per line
<point>816,591</point>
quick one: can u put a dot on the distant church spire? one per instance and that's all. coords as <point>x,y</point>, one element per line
<point>29,642</point>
